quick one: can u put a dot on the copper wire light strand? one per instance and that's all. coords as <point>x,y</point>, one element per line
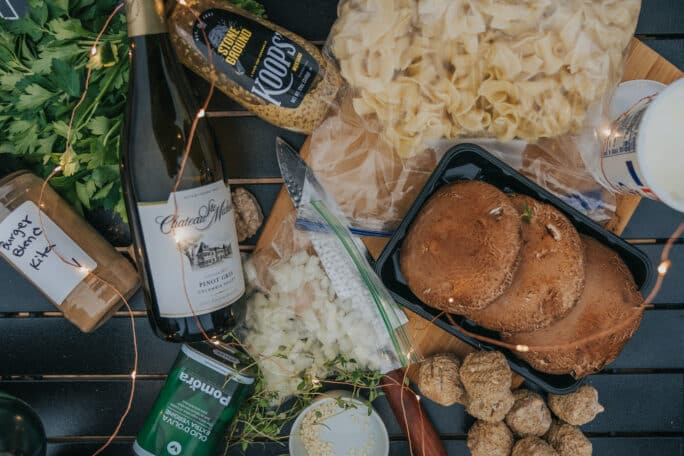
<point>664,261</point>
<point>104,28</point>
<point>74,263</point>
<point>129,405</point>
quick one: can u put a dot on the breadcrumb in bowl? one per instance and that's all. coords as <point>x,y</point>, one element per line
<point>327,429</point>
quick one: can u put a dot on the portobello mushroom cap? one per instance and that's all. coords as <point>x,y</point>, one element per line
<point>610,298</point>
<point>463,248</point>
<point>550,278</point>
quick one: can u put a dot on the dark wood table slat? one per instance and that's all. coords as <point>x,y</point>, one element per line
<point>67,408</point>
<point>603,446</point>
<point>660,17</point>
<point>672,291</point>
<point>65,351</point>
<point>657,344</point>
<point>53,346</point>
<point>642,225</point>
<point>248,145</point>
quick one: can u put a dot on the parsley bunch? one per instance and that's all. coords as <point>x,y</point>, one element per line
<point>43,61</point>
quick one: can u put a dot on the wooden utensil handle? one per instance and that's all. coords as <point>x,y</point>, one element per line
<point>423,438</point>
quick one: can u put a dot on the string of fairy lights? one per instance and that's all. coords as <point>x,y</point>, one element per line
<point>662,268</point>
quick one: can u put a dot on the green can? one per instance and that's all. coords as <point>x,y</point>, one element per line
<point>204,390</point>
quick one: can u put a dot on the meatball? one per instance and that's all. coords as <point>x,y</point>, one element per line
<point>533,446</point>
<point>577,408</point>
<point>568,440</point>
<point>529,414</point>
<point>490,439</point>
<point>486,377</point>
<point>439,379</point>
<point>491,408</point>
<point>486,371</point>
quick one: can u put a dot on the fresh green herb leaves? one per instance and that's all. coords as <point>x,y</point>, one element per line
<point>41,79</point>
<point>527,214</point>
<point>43,62</point>
<point>259,420</point>
<point>252,6</point>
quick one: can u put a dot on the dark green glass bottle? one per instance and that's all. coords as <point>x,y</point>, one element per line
<point>185,243</point>
<point>21,431</point>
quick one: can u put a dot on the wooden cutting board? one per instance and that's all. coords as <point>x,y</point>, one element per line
<point>642,63</point>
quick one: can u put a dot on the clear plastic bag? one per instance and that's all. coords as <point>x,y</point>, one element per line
<point>419,73</point>
<point>314,298</point>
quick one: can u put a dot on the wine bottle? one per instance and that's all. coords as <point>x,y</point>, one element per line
<point>21,431</point>
<point>185,241</point>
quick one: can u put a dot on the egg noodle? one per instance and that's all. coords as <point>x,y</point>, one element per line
<point>432,69</point>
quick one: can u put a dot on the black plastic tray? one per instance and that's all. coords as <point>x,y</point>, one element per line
<point>471,162</point>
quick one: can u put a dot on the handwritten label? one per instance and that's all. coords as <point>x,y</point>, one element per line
<point>200,233</point>
<point>24,245</point>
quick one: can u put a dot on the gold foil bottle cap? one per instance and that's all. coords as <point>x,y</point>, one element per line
<point>145,17</point>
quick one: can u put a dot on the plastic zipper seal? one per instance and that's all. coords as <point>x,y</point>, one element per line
<point>384,303</point>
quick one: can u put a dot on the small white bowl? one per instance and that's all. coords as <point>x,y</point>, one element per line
<point>350,429</point>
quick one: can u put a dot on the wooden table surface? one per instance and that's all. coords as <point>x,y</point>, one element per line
<point>78,383</point>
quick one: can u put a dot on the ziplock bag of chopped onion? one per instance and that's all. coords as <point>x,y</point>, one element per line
<point>313,298</point>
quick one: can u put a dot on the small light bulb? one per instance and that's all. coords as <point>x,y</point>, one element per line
<point>57,169</point>
<point>201,113</point>
<point>315,381</point>
<point>216,342</point>
<point>182,2</point>
<point>133,374</point>
<point>522,348</point>
<point>417,398</point>
<point>451,300</point>
<point>84,269</point>
<point>663,267</point>
<point>93,50</point>
<point>606,132</point>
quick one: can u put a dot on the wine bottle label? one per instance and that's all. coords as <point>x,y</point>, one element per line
<point>23,243</point>
<point>191,245</point>
<point>260,60</point>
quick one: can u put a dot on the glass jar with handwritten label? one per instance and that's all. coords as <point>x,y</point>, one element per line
<point>64,257</point>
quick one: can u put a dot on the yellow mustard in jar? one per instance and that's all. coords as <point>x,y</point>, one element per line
<point>274,73</point>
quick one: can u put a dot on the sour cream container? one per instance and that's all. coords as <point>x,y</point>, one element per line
<point>643,150</point>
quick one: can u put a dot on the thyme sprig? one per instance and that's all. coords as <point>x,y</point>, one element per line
<point>259,421</point>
